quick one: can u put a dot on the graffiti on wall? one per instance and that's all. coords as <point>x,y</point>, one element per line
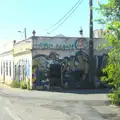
<point>22,69</point>
<point>27,67</point>
<point>69,65</point>
<point>75,44</point>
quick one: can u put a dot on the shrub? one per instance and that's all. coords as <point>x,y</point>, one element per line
<point>28,85</point>
<point>15,84</point>
<point>111,36</point>
<point>115,96</point>
<point>23,85</point>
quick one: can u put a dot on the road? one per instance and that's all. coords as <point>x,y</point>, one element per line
<point>4,115</point>
<point>40,105</point>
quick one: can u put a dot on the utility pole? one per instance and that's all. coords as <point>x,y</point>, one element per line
<point>91,46</point>
<point>25,33</point>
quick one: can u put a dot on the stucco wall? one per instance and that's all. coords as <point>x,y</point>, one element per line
<point>25,62</point>
<point>22,46</point>
<point>67,43</point>
<point>4,77</point>
<point>6,56</point>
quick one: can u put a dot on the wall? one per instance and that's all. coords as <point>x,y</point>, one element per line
<point>72,51</point>
<point>23,60</point>
<point>60,43</point>
<point>22,46</point>
<point>6,56</point>
<point>66,43</point>
<point>47,50</point>
<point>22,66</point>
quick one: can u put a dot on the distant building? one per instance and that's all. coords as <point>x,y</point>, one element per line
<point>97,33</point>
<point>60,35</point>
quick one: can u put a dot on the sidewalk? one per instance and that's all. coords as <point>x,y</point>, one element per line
<point>2,85</point>
<point>8,87</point>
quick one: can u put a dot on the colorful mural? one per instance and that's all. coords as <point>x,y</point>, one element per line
<point>60,62</point>
<point>70,69</point>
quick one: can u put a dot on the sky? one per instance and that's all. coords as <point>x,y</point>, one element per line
<point>15,15</point>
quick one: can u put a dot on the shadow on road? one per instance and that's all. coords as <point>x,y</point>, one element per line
<point>82,91</point>
<point>88,91</point>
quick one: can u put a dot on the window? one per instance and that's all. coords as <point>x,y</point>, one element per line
<point>10,68</point>
<point>6,67</point>
<point>1,68</point>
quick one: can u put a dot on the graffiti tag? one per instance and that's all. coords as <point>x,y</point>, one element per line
<point>77,44</point>
<point>57,46</point>
<point>46,46</point>
<point>65,47</point>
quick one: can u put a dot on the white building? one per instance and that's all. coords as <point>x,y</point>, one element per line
<point>23,60</point>
<point>6,62</point>
<point>98,33</point>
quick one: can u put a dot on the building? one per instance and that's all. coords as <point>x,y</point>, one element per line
<point>23,60</point>
<point>98,33</point>
<point>6,63</point>
<point>31,59</point>
<point>67,50</point>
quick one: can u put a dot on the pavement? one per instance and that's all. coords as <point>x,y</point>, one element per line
<point>17,104</point>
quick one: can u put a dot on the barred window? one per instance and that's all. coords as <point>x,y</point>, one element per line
<point>1,68</point>
<point>6,67</point>
<point>10,68</point>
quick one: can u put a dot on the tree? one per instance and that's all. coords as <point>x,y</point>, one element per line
<point>111,19</point>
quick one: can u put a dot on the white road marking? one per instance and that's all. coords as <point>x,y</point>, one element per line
<point>12,114</point>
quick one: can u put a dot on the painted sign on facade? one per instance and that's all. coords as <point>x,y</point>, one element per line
<point>60,43</point>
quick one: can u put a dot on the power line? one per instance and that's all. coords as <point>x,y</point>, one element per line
<point>66,18</point>
<point>64,15</point>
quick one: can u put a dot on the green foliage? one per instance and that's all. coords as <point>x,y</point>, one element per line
<point>23,85</point>
<point>115,96</point>
<point>110,11</point>
<point>15,84</point>
<point>28,85</point>
<point>111,18</point>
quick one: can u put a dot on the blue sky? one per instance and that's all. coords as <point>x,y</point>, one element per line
<point>41,14</point>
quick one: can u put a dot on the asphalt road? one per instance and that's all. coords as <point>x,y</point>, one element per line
<point>4,115</point>
<point>39,105</point>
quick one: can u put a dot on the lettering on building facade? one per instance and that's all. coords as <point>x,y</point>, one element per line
<point>75,44</point>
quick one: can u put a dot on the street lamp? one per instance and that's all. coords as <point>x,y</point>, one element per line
<point>23,32</point>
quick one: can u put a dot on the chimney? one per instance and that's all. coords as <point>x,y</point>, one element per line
<point>14,41</point>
